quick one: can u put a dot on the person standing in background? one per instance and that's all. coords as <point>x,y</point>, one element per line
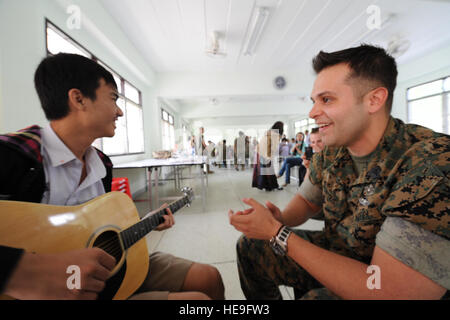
<point>192,144</point>
<point>222,151</point>
<point>264,172</point>
<point>211,151</point>
<point>240,148</point>
<point>201,148</point>
<point>254,152</point>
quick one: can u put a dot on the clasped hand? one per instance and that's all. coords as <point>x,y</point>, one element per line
<point>257,222</point>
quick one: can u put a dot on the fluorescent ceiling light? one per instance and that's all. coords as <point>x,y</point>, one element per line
<point>259,22</point>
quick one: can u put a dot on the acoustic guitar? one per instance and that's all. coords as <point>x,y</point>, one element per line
<point>110,222</point>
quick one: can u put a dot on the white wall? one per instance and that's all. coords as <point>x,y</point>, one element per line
<point>248,110</point>
<point>233,83</point>
<point>219,119</point>
<point>188,85</point>
<point>22,47</point>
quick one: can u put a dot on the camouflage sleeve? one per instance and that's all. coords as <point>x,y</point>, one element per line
<point>421,196</point>
<point>316,169</point>
<point>311,192</point>
<point>416,247</point>
<point>320,162</point>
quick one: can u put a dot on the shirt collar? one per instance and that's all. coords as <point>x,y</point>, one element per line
<point>59,154</point>
<point>57,151</point>
<point>95,168</point>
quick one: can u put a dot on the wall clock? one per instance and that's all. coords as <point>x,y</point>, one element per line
<point>279,82</point>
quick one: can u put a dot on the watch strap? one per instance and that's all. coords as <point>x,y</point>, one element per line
<point>283,234</point>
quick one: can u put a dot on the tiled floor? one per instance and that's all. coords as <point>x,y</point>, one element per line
<point>206,236</point>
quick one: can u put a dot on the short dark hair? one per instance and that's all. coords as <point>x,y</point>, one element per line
<point>367,62</point>
<point>58,74</point>
<point>314,130</point>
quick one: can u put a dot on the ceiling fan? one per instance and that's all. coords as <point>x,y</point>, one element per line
<point>214,49</point>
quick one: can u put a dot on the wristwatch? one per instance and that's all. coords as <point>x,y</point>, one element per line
<point>279,242</point>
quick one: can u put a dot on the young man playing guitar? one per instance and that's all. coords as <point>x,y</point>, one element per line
<point>57,165</point>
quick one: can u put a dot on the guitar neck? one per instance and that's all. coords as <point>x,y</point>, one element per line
<point>139,230</point>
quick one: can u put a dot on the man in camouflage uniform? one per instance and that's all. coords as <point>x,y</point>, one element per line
<point>383,187</point>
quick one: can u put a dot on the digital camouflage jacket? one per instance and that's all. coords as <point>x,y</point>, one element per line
<point>408,177</point>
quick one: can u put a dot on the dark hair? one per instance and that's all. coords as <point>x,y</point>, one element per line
<point>314,130</point>
<point>278,126</point>
<point>367,62</point>
<point>58,74</point>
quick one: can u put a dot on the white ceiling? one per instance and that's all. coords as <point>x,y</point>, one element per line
<point>172,35</point>
<point>236,99</point>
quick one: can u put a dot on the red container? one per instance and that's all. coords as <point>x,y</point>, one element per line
<point>122,185</point>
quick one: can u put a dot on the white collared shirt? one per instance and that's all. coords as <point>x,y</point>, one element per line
<point>63,172</point>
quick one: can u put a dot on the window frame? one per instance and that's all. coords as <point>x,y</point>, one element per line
<point>122,93</point>
<point>169,115</point>
<point>310,124</point>
<point>445,102</point>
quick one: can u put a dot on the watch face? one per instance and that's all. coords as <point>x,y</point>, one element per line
<point>280,82</point>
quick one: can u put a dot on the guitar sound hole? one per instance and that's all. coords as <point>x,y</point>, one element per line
<point>109,242</point>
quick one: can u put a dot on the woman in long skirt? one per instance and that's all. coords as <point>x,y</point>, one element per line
<point>264,176</point>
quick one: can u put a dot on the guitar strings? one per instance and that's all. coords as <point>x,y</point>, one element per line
<point>109,242</point>
<point>106,245</point>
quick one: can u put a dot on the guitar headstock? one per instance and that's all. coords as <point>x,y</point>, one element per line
<point>189,194</point>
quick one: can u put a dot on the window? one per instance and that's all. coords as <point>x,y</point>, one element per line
<point>428,105</point>
<point>58,42</point>
<point>129,134</point>
<point>303,125</point>
<point>168,130</point>
<point>185,143</point>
